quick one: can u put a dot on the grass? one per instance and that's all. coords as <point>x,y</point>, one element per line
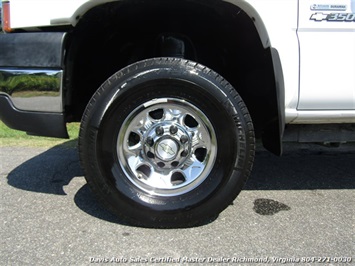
<point>10,138</point>
<point>28,94</point>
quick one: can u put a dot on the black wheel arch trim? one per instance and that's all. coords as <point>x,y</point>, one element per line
<point>274,129</point>
<point>258,22</point>
<point>245,6</point>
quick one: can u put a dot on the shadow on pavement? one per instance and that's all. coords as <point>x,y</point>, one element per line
<point>87,202</point>
<point>308,168</point>
<point>53,169</point>
<point>47,172</point>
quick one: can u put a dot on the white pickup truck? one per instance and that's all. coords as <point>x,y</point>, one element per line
<point>171,94</point>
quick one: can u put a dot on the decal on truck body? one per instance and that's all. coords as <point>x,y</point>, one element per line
<point>334,16</point>
<point>329,7</point>
<point>337,17</point>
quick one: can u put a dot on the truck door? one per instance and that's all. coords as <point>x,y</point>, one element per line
<point>326,34</point>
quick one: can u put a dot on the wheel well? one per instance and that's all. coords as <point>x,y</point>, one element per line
<point>215,33</point>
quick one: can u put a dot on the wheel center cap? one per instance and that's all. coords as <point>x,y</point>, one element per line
<point>167,149</point>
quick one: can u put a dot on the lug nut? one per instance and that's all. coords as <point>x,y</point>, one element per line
<point>161,164</point>
<point>159,130</point>
<point>150,141</point>
<point>184,139</point>
<point>184,153</point>
<point>173,129</point>
<point>150,155</point>
<point>174,164</point>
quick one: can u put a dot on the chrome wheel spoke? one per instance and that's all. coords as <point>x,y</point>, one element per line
<point>194,169</point>
<point>171,114</point>
<point>201,137</point>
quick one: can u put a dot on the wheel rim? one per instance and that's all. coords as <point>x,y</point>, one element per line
<point>167,147</point>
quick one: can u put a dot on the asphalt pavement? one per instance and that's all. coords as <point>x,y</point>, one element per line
<point>296,209</point>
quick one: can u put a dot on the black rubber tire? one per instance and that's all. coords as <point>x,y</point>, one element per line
<point>160,78</point>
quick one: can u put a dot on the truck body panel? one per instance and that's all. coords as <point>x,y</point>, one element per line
<point>327,57</point>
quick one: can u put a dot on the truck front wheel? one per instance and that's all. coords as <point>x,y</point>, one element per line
<point>166,143</point>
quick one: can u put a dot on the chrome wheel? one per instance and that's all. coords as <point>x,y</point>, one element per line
<point>166,147</point>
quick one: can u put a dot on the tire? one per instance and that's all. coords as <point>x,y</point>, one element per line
<point>166,143</point>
